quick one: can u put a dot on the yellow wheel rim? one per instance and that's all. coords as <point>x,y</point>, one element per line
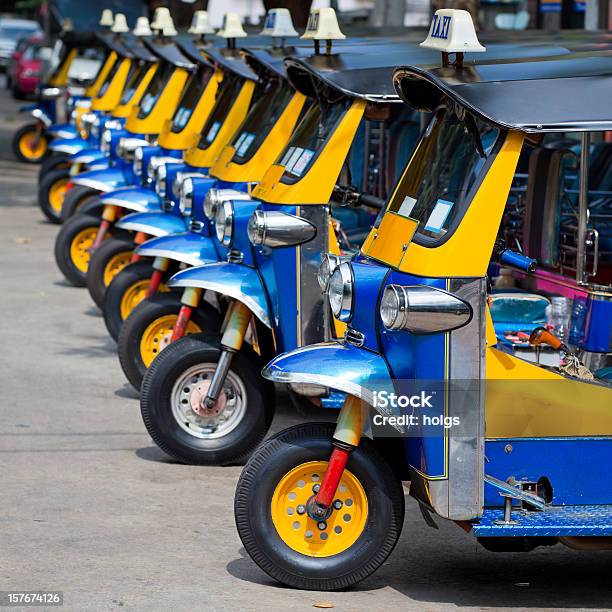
<point>57,193</point>
<point>134,295</point>
<point>303,534</point>
<point>79,248</point>
<point>156,337</point>
<point>114,265</point>
<point>26,149</point>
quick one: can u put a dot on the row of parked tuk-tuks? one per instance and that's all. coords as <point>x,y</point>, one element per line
<point>416,236</point>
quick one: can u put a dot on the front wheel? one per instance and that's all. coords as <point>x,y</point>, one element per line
<point>54,161</point>
<point>28,146</point>
<point>355,540</point>
<point>148,329</point>
<point>73,247</point>
<point>114,254</point>
<point>75,198</point>
<point>178,381</point>
<point>51,193</point>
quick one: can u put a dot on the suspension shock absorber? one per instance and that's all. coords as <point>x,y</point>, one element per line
<point>346,438</point>
<point>190,299</point>
<point>160,267</point>
<point>138,240</point>
<point>109,214</point>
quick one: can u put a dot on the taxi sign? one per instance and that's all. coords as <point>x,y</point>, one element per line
<point>106,18</point>
<point>232,27</point>
<point>323,25</point>
<point>142,27</point>
<point>278,24</point>
<point>120,25</point>
<point>162,21</point>
<point>452,31</point>
<point>200,24</point>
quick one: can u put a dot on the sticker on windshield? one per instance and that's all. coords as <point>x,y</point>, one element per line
<point>212,133</point>
<point>300,165</point>
<point>438,216</point>
<point>287,156</point>
<point>246,143</point>
<point>296,155</point>
<point>147,103</point>
<point>181,118</point>
<point>407,206</point>
<point>239,141</point>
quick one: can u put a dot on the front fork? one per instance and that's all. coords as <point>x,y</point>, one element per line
<point>40,127</point>
<point>346,438</point>
<point>160,267</point>
<point>109,216</point>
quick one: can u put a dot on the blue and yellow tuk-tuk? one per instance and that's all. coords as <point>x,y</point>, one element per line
<point>513,450</point>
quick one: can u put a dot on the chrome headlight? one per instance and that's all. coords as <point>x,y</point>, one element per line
<point>340,292</point>
<point>224,222</point>
<point>73,116</point>
<point>138,158</point>
<point>160,181</point>
<point>105,143</point>
<point>329,262</point>
<point>50,92</point>
<point>211,202</point>
<point>127,145</point>
<point>276,229</point>
<point>186,196</point>
<point>422,309</point>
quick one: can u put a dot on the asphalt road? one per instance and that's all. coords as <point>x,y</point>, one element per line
<point>90,507</point>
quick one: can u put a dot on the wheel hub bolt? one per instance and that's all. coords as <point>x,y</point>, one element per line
<point>301,509</point>
<point>337,504</point>
<point>322,525</point>
<point>316,488</point>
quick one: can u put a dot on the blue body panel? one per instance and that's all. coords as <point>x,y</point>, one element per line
<point>65,128</point>
<point>598,333</point>
<point>103,180</point>
<point>188,247</point>
<point>139,199</point>
<point>154,224</point>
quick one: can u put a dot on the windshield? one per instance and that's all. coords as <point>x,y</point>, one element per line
<point>436,187</point>
<point>261,119</point>
<point>15,33</point>
<point>109,77</point>
<point>134,79</point>
<point>154,90</point>
<point>310,137</point>
<point>32,52</point>
<point>226,94</point>
<point>190,98</point>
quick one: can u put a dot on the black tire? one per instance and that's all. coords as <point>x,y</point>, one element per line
<point>18,135</point>
<point>156,406</point>
<point>135,274</point>
<point>49,182</point>
<point>64,240</point>
<point>54,161</point>
<point>75,198</point>
<point>101,258</point>
<point>144,315</point>
<point>253,511</point>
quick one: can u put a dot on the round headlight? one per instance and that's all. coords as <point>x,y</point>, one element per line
<point>329,262</point>
<point>138,157</point>
<point>211,202</point>
<point>224,222</point>
<point>256,228</point>
<point>186,196</point>
<point>340,292</point>
<point>105,144</point>
<point>160,181</point>
<point>392,307</point>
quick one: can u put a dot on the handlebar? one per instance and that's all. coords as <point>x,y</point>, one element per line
<point>516,260</point>
<point>371,201</point>
<point>349,196</point>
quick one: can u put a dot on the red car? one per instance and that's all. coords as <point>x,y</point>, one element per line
<point>25,67</point>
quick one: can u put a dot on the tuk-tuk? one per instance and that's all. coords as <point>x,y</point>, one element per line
<point>512,450</point>
<point>311,200</point>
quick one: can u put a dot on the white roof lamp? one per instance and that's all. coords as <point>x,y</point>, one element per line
<point>453,31</point>
<point>163,23</point>
<point>120,25</point>
<point>278,24</point>
<point>142,27</point>
<point>106,18</point>
<point>232,29</point>
<point>200,24</point>
<point>67,25</point>
<point>323,25</point>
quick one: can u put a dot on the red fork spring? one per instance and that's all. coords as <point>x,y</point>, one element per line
<point>332,476</point>
<point>156,279</point>
<point>181,323</point>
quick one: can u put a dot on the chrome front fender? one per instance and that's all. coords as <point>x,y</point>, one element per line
<point>87,154</point>
<point>138,199</point>
<point>105,180</point>
<point>336,365</point>
<point>234,280</point>
<point>192,249</point>
<point>152,223</point>
<point>72,146</point>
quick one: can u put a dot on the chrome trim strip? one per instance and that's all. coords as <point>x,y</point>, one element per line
<point>98,185</point>
<point>174,255</point>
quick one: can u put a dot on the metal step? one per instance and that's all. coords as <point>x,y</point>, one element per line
<point>553,521</point>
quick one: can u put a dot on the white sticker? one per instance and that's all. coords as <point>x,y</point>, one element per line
<point>239,141</point>
<point>244,147</point>
<point>212,133</point>
<point>296,155</point>
<point>407,206</point>
<point>438,215</point>
<point>147,103</point>
<point>302,162</point>
<point>287,156</point>
<point>182,117</point>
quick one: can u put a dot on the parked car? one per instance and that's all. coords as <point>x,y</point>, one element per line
<point>11,30</point>
<point>24,71</point>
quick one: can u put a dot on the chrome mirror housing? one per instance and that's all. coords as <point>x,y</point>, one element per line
<point>277,229</point>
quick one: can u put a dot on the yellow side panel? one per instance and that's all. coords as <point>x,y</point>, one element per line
<point>269,150</point>
<point>124,110</point>
<point>316,186</point>
<point>390,240</point>
<point>112,95</point>
<point>60,78</point>
<point>468,251</point>
<point>205,158</point>
<point>164,107</point>
<point>524,400</point>
<point>184,139</point>
<point>94,88</point>
<point>491,336</point>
